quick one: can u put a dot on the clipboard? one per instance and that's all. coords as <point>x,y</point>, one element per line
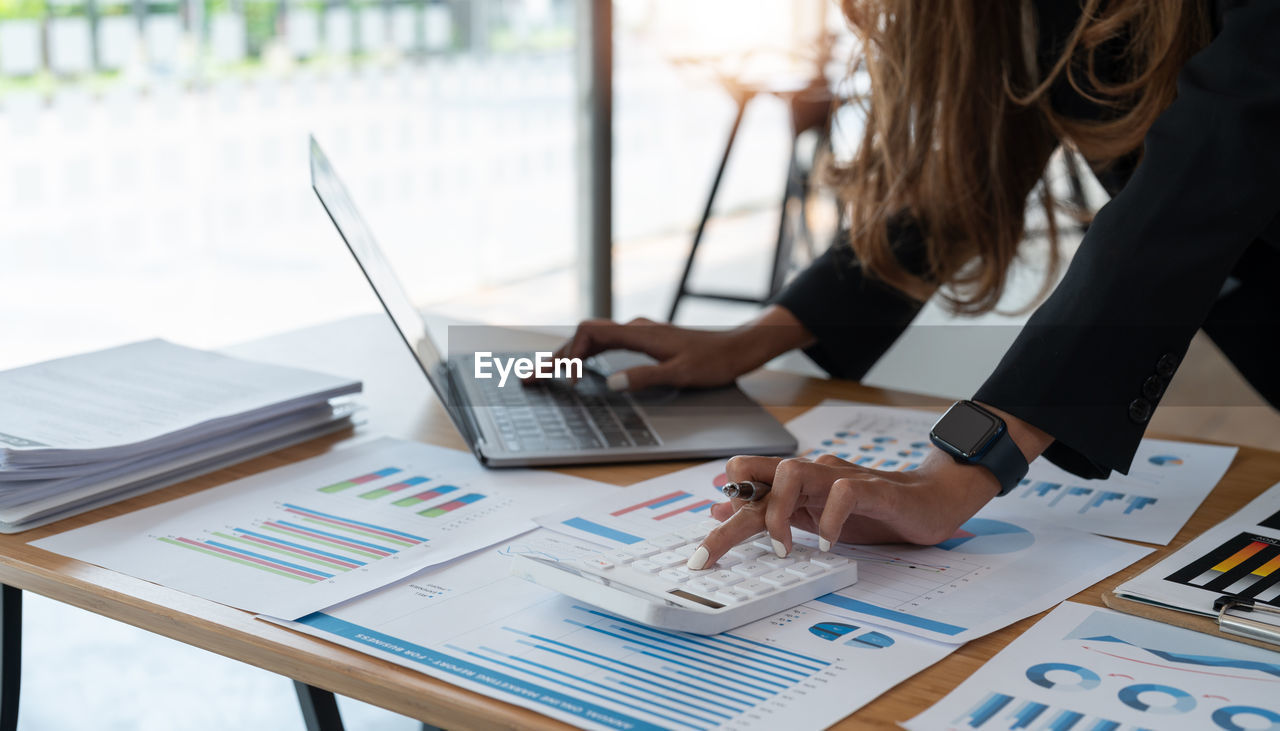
<point>1228,624</point>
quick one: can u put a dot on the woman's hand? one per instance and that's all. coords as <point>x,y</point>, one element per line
<point>843,502</point>
<point>688,358</point>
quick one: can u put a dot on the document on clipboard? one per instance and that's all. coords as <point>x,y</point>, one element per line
<point>1229,575</point>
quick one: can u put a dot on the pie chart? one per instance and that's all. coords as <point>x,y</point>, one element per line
<point>1165,460</point>
<point>984,536</point>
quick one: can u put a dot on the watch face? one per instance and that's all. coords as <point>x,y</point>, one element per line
<point>966,428</point>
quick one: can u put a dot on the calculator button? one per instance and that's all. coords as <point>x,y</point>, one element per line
<point>754,588</point>
<point>597,563</point>
<point>692,532</point>
<point>678,576</point>
<point>702,586</point>
<point>726,561</point>
<point>667,542</point>
<point>730,596</point>
<point>828,560</point>
<point>724,578</point>
<point>764,544</point>
<point>642,550</point>
<point>747,552</point>
<point>620,557</point>
<point>668,559</point>
<point>776,562</point>
<point>801,552</point>
<point>806,570</point>
<point>686,550</point>
<point>752,568</point>
<point>780,578</point>
<point>646,567</point>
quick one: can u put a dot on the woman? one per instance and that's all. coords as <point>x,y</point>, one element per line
<point>1175,104</point>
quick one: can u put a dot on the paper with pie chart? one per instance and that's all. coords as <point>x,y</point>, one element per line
<point>991,573</point>
<point>1091,669</point>
<point>1165,485</point>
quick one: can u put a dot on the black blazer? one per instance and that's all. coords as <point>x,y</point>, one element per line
<point>1190,239</point>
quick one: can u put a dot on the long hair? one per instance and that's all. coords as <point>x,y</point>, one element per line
<point>959,128</point>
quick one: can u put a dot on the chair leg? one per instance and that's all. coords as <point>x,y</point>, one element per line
<point>782,250</point>
<point>319,708</point>
<point>682,288</point>
<point>10,655</point>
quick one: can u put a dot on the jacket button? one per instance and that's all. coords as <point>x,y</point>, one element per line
<point>1153,388</point>
<point>1140,411</point>
<point>1166,366</point>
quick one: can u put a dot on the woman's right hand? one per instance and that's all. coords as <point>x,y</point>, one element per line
<point>688,358</point>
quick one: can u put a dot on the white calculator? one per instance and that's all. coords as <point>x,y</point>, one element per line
<point>648,582</point>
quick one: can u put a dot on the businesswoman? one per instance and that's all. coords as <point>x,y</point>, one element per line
<point>1175,104</point>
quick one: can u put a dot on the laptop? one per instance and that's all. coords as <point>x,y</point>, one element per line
<point>554,421</point>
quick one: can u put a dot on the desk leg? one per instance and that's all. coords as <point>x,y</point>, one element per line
<point>319,708</point>
<point>10,655</point>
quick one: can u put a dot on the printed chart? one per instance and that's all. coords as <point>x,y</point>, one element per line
<point>1167,482</point>
<point>296,539</point>
<point>517,642</point>
<point>1090,669</point>
<point>1239,556</point>
<point>941,592</point>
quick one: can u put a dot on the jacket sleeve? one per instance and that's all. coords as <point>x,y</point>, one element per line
<point>1096,357</point>
<point>854,318</point>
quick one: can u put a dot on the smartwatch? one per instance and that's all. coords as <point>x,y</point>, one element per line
<point>973,435</point>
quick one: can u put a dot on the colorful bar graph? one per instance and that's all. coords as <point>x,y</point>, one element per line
<point>653,502</point>
<point>986,709</point>
<point>362,479</point>
<point>251,559</point>
<point>422,497</point>
<point>355,526</point>
<point>692,507</point>
<point>327,540</point>
<point>392,489</point>
<point>1246,566</point>
<point>452,505</point>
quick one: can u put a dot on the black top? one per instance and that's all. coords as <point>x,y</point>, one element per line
<point>1190,239</point>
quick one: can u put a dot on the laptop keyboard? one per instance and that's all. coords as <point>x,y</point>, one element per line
<point>557,415</point>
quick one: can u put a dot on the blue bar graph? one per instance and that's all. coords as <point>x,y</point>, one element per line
<point>603,531</point>
<point>1027,714</point>
<point>986,709</point>
<point>1100,499</point>
<point>1041,489</point>
<point>911,620</point>
<point>668,501</point>
<point>1138,502</point>
<point>1064,721</point>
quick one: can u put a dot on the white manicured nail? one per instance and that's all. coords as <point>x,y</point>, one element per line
<point>778,548</point>
<point>698,560</point>
<point>617,381</point>
<point>823,544</point>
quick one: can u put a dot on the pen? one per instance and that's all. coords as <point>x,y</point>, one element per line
<point>748,490</point>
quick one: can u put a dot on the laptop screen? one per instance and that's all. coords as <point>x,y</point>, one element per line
<point>355,232</point>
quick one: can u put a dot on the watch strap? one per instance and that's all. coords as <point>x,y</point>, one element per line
<point>1005,461</point>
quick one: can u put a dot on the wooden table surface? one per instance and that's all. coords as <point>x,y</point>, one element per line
<point>400,404</point>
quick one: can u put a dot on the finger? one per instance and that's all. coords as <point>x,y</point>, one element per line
<point>640,335</point>
<point>580,343</point>
<point>746,522</point>
<point>830,460</point>
<point>788,483</point>
<point>854,497</point>
<point>723,511</point>
<point>645,376</point>
<point>760,469</point>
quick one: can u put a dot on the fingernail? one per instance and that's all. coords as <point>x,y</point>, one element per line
<point>617,381</point>
<point>698,560</point>
<point>823,544</point>
<point>778,548</point>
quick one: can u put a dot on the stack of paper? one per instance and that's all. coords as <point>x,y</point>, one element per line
<point>78,432</point>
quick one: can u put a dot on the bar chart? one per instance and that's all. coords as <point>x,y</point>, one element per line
<point>1247,565</point>
<point>1002,711</point>
<point>304,545</point>
<point>1081,499</point>
<point>879,452</point>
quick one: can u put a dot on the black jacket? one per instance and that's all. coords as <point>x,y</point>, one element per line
<point>1190,239</point>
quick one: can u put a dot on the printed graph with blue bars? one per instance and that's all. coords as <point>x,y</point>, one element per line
<point>614,671</point>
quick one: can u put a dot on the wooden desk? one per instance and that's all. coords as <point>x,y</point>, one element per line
<point>401,405</point>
